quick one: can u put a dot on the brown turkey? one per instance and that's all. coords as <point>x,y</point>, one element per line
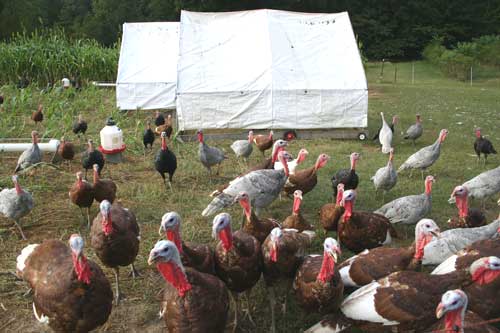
<point>358,231</point>
<point>82,195</point>
<point>305,180</point>
<point>238,260</point>
<point>254,225</point>
<point>197,256</point>
<point>70,293</point>
<point>317,285</point>
<point>66,150</point>
<point>192,301</point>
<point>371,265</point>
<point>296,220</point>
<point>467,217</point>
<point>330,213</point>
<point>283,252</point>
<point>115,239</point>
<point>37,116</point>
<point>263,142</point>
<point>405,301</point>
<point>104,189</point>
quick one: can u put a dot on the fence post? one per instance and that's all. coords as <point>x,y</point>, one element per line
<point>395,72</point>
<point>412,72</point>
<point>381,76</point>
<point>471,76</point>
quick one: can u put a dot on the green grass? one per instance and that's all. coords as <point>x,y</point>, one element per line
<point>443,103</point>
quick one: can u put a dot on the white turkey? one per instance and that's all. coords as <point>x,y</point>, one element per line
<point>385,136</point>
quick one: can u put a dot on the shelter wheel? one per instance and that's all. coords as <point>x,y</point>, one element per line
<point>362,136</point>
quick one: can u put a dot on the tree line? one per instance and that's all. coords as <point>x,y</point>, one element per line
<point>393,29</point>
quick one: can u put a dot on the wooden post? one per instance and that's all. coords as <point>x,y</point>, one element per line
<point>412,72</point>
<point>395,72</point>
<point>471,76</point>
<point>381,76</point>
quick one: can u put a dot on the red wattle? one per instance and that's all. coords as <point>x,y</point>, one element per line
<point>327,268</point>
<point>226,238</point>
<point>296,205</point>
<point>453,320</point>
<point>246,207</point>
<point>348,210</point>
<point>273,253</point>
<point>175,276</point>
<point>18,188</point>
<point>175,237</point>
<point>163,143</point>
<point>82,269</point>
<point>428,187</point>
<point>340,194</point>
<point>484,275</point>
<point>420,245</point>
<point>200,137</point>
<point>463,207</point>
<point>107,226</point>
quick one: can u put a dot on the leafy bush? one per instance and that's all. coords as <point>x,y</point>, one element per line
<point>456,64</point>
<point>45,57</point>
<point>433,51</point>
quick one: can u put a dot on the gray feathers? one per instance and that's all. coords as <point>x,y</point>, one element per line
<point>242,148</point>
<point>210,156</point>
<point>15,206</point>
<point>29,157</point>
<point>407,210</point>
<point>423,158</point>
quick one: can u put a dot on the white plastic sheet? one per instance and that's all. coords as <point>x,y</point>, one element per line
<point>147,69</point>
<point>269,69</point>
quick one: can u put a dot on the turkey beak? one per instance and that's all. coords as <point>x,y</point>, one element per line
<point>161,230</point>
<point>440,311</point>
<point>152,258</point>
<point>436,233</point>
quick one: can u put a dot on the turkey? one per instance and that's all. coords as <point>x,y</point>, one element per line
<point>37,116</point>
<point>371,265</point>
<point>262,187</point>
<point>452,310</point>
<point>92,156</point>
<point>348,177</point>
<point>70,292</point>
<point>104,189</point>
<point>31,156</point>
<point>82,195</point>
<point>165,161</point>
<point>115,239</point>
<point>209,156</point>
<point>426,156</point>
<point>482,186</point>
<point>362,230</point>
<point>454,240</point>
<point>296,220</point>
<point>79,126</point>
<point>317,284</point>
<point>385,136</point>
<point>414,131</point>
<point>159,118</point>
<point>292,165</point>
<point>192,301</point>
<point>330,213</point>
<point>466,256</point>
<point>467,217</point>
<point>409,209</point>
<point>66,150</point>
<point>165,127</point>
<point>243,148</point>
<point>403,301</point>
<point>483,146</point>
<point>268,163</point>
<point>148,137</point>
<point>263,142</point>
<point>283,252</point>
<point>386,177</point>
<point>255,226</point>
<point>238,260</point>
<point>197,256</point>
<point>305,180</point>
<point>15,203</point>
<point>395,120</point>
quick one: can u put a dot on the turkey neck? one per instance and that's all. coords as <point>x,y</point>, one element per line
<point>175,275</point>
<point>353,165</point>
<point>175,236</point>
<point>463,206</point>
<point>164,143</point>
<point>107,224</point>
<point>296,205</point>
<point>96,177</point>
<point>428,188</point>
<point>82,268</point>
<point>327,268</point>
<point>19,190</point>
<point>454,320</point>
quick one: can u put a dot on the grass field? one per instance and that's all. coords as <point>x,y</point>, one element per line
<point>443,103</point>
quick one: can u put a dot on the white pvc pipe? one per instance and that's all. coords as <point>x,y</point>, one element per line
<point>50,146</point>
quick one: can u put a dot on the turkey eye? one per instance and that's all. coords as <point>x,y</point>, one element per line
<point>454,303</point>
<point>427,226</point>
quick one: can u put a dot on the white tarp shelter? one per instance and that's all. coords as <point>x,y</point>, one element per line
<point>147,69</point>
<point>269,69</point>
